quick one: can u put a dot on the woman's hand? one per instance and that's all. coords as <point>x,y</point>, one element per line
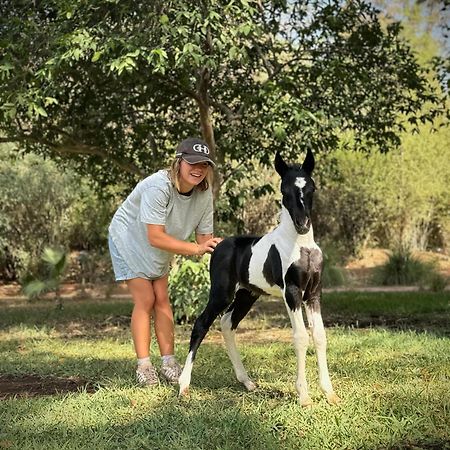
<point>208,246</point>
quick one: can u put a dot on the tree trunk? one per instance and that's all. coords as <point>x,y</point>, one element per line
<point>208,137</point>
<point>207,126</point>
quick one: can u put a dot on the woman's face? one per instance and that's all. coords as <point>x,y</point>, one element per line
<point>191,175</point>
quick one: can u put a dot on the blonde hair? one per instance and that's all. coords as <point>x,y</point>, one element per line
<point>174,176</point>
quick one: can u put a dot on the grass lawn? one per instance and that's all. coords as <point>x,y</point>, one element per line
<point>389,359</point>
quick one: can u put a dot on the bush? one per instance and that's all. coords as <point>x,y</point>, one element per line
<point>402,268</point>
<point>436,282</point>
<point>189,288</point>
<point>332,274</point>
<point>42,206</point>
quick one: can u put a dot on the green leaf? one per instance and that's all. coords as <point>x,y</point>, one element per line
<point>50,101</point>
<point>52,256</point>
<point>96,56</point>
<point>40,110</point>
<point>34,288</point>
<point>233,52</point>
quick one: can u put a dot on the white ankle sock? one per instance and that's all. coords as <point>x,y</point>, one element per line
<point>143,361</point>
<point>167,358</point>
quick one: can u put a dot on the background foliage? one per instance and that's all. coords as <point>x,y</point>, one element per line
<point>102,92</point>
<point>114,86</point>
<point>43,206</point>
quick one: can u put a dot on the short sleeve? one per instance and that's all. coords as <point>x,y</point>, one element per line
<point>153,209</point>
<point>206,224</point>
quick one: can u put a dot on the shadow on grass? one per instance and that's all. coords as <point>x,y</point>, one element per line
<point>403,311</point>
<point>417,311</point>
<point>176,424</point>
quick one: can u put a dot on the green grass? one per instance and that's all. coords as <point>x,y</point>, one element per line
<point>393,382</point>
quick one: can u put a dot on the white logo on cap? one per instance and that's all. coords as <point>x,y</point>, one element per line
<point>201,148</point>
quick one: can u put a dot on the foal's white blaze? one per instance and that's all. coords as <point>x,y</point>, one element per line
<point>300,182</point>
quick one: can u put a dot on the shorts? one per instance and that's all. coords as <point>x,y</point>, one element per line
<point>121,269</point>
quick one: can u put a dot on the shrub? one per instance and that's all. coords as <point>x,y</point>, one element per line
<point>436,282</point>
<point>332,274</point>
<point>42,206</point>
<point>55,262</point>
<point>189,288</point>
<point>402,268</point>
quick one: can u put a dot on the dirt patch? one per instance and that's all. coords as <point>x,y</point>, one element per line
<point>374,257</point>
<point>13,291</point>
<point>33,385</point>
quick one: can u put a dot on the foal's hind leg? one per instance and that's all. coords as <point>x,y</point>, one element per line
<point>243,301</point>
<point>219,298</point>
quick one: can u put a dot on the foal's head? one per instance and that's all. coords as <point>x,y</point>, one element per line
<point>297,188</point>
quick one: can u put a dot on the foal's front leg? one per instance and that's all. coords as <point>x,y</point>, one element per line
<point>292,297</point>
<point>315,322</point>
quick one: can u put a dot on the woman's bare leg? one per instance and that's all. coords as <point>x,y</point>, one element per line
<point>144,298</point>
<point>164,327</point>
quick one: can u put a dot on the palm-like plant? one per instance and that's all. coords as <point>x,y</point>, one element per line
<point>56,262</point>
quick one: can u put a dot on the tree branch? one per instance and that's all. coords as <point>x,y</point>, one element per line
<point>231,115</point>
<point>71,147</point>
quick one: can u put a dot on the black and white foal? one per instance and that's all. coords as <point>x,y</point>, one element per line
<point>286,263</point>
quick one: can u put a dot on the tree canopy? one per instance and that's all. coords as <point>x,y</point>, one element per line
<point>113,86</point>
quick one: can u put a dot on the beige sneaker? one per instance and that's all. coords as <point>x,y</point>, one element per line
<point>147,375</point>
<point>171,371</point>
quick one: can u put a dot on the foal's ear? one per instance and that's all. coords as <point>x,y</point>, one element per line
<point>280,166</point>
<point>308,163</point>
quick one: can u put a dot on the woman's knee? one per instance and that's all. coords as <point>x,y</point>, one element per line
<point>143,305</point>
<point>142,294</point>
<point>161,291</point>
<point>162,303</point>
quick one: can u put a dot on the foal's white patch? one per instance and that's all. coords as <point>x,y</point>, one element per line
<point>300,182</point>
<point>185,378</point>
<point>256,266</point>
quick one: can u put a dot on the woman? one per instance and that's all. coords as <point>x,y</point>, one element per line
<point>151,225</point>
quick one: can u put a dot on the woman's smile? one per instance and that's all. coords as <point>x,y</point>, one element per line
<point>192,175</point>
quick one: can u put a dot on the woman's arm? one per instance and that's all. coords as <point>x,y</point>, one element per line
<point>158,238</point>
<point>200,238</point>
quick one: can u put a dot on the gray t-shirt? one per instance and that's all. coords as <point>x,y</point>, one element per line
<point>155,201</point>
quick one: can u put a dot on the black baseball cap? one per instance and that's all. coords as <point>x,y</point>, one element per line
<point>194,150</point>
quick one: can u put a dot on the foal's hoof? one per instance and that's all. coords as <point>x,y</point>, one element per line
<point>333,399</point>
<point>249,385</point>
<point>184,392</point>
<point>306,402</point>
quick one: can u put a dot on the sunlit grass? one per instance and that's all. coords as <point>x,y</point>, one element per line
<point>393,384</point>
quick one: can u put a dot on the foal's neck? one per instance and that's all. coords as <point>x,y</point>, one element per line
<point>287,230</point>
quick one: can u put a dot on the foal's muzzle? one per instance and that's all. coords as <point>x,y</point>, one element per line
<point>302,226</point>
